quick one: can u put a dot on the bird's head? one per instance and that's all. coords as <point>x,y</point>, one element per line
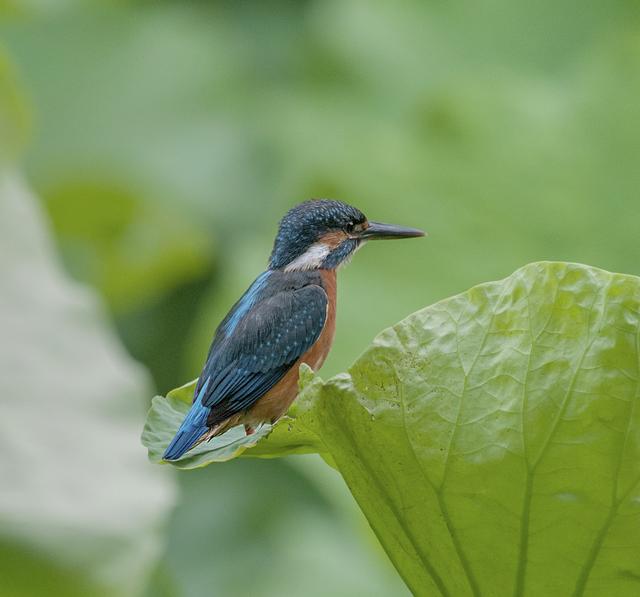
<point>323,234</point>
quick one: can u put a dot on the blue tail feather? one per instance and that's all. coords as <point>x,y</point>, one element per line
<point>192,429</point>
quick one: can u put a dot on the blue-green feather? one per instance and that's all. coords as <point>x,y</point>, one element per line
<point>276,321</point>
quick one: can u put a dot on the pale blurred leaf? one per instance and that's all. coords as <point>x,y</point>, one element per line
<point>78,498</point>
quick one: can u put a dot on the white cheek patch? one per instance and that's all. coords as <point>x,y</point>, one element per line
<point>310,259</point>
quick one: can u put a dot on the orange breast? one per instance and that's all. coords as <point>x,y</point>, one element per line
<point>277,401</point>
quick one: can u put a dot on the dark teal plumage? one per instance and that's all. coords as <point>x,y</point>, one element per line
<point>274,323</point>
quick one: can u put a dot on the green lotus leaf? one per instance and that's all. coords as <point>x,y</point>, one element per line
<point>285,437</point>
<point>493,439</point>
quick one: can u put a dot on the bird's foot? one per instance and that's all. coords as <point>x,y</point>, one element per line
<point>249,430</point>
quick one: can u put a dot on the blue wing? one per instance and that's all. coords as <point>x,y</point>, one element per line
<point>265,333</point>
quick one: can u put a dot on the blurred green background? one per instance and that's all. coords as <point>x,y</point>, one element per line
<point>151,147</point>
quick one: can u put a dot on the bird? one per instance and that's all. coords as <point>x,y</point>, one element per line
<point>286,317</point>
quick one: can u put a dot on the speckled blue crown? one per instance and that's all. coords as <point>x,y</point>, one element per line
<point>305,223</point>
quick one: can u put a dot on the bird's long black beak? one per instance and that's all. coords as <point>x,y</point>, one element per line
<point>380,231</point>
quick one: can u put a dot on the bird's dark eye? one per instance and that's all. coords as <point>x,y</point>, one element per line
<point>354,228</point>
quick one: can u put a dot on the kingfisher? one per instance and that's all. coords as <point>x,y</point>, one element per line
<point>286,317</point>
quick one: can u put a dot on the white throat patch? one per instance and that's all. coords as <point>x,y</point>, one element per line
<point>310,259</point>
